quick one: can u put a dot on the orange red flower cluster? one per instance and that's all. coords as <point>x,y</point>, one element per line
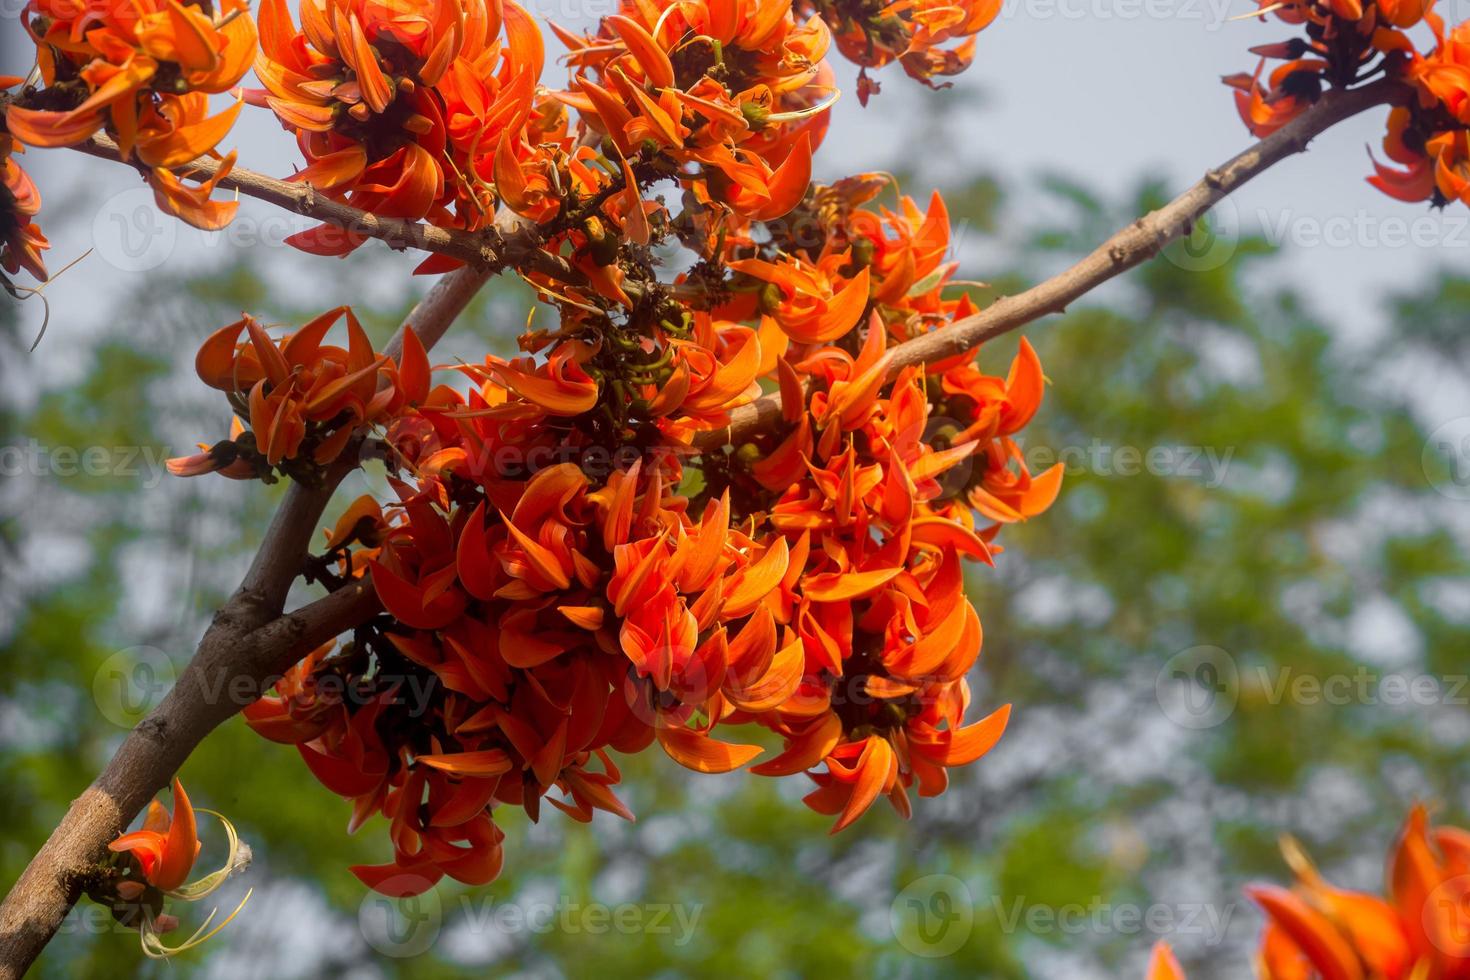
<point>21,241</point>
<point>1348,41</point>
<point>569,579</point>
<point>730,94</point>
<point>563,574</point>
<point>561,613</point>
<point>303,398</point>
<point>1430,137</point>
<point>144,71</point>
<point>1419,930</point>
<point>912,32</point>
<point>400,107</point>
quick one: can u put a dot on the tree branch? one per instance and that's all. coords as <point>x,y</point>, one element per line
<point>492,248</point>
<point>1131,246</point>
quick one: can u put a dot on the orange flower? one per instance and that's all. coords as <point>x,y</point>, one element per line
<point>399,108</point>
<point>1291,89</point>
<point>560,386</point>
<point>1315,929</point>
<point>1416,181</point>
<point>300,710</point>
<point>1428,137</point>
<point>811,309</point>
<point>303,399</point>
<point>166,846</point>
<point>193,204</point>
<point>144,71</point>
<point>154,862</point>
<point>1443,76</point>
<point>912,32</point>
<point>21,241</point>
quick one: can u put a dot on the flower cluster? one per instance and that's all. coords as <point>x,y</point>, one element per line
<point>1350,41</point>
<point>731,95</point>
<point>1346,42</point>
<point>1430,137</point>
<point>1420,929</point>
<point>570,566</point>
<point>21,242</point>
<point>153,864</point>
<point>929,38</point>
<point>303,399</point>
<point>400,107</point>
<point>568,576</point>
<point>144,72</point>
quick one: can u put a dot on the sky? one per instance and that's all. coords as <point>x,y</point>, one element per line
<point>1101,91</point>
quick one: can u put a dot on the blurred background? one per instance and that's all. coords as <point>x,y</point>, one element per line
<point>1246,615</point>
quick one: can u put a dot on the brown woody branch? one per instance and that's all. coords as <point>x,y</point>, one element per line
<point>492,248</point>
<point>1131,246</point>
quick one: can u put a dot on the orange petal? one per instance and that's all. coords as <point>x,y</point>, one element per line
<point>846,586</point>
<point>645,50</point>
<point>701,753</point>
<point>1313,934</point>
<point>182,846</point>
<point>874,767</point>
<point>489,762</point>
<point>756,581</point>
<point>1163,965</point>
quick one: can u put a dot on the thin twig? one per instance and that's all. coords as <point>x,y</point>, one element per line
<point>491,248</point>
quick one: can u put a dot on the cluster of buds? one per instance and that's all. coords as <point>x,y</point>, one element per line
<point>144,72</point>
<point>1350,41</point>
<point>1419,930</point>
<point>153,864</point>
